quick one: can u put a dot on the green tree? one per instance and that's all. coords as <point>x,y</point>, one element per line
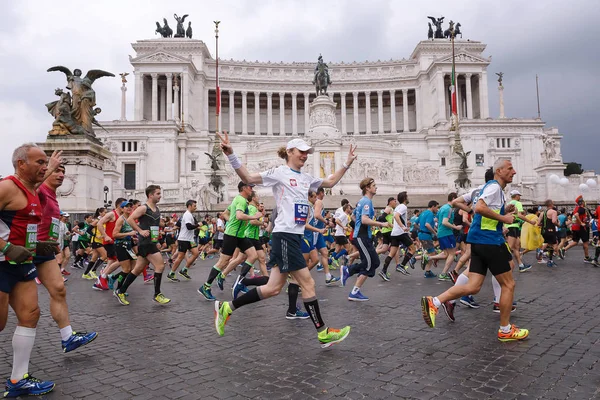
<point>573,168</point>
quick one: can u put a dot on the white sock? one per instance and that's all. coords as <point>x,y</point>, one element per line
<point>497,290</point>
<point>437,302</point>
<point>355,289</point>
<point>521,265</point>
<point>328,276</point>
<point>462,280</point>
<point>22,343</point>
<point>66,332</point>
<point>505,329</point>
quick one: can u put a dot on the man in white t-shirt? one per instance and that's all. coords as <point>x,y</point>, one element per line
<point>186,242</point>
<point>341,219</point>
<point>400,236</point>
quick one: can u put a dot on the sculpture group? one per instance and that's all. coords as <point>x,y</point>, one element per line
<point>321,79</point>
<point>166,31</point>
<point>439,33</point>
<point>74,112</point>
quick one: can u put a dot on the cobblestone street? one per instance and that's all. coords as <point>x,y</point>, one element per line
<point>148,351</point>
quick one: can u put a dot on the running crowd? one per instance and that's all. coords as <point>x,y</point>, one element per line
<point>479,231</point>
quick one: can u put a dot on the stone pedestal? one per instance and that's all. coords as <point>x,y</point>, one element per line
<point>322,123</point>
<point>84,158</point>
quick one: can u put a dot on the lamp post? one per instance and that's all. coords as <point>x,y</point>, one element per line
<point>107,203</point>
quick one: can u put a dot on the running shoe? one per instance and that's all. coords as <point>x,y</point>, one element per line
<point>334,263</point>
<point>402,270</point>
<point>358,296</point>
<point>563,253</point>
<point>345,274</point>
<point>514,334</point>
<point>588,260</point>
<point>299,314</point>
<point>220,281</point>
<point>333,281</point>
<point>65,272</point>
<point>87,276</point>
<point>560,255</point>
<point>238,287</point>
<point>121,297</point>
<point>384,275</point>
<point>331,336</point>
<point>429,310</point>
<point>320,268</point>
<point>170,276</point>
<point>205,291</point>
<point>28,386</point>
<point>185,275</point>
<point>111,282</point>
<point>595,263</point>
<point>469,301</point>
<point>97,286</point>
<point>203,256</point>
<point>78,265</point>
<point>103,282</point>
<point>222,314</point>
<point>524,268</point>
<point>551,264</point>
<point>149,279</point>
<point>77,340</point>
<point>444,277</point>
<point>412,262</point>
<point>429,274</point>
<point>65,279</point>
<point>93,275</point>
<point>453,275</point>
<point>496,307</point>
<point>449,310</point>
<point>161,299</point>
<point>424,261</point>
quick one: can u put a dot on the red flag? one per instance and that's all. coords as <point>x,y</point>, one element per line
<point>218,100</point>
<point>453,90</point>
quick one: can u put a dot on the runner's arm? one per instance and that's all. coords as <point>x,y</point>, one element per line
<point>460,203</point>
<point>245,217</point>
<point>318,209</point>
<point>365,220</point>
<point>104,220</point>
<point>399,222</point>
<point>482,209</point>
<point>141,210</point>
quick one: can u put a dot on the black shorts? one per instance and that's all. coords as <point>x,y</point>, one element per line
<point>514,232</point>
<point>403,239</point>
<point>286,252</point>
<point>341,240</point>
<point>82,245</point>
<point>169,240</point>
<point>550,237</point>
<point>11,274</point>
<point>183,246</point>
<point>369,260</point>
<point>110,251</point>
<point>386,237</point>
<point>463,238</point>
<point>203,241</point>
<point>582,234</point>
<point>257,244</point>
<point>562,233</point>
<point>146,249</point>
<point>494,257</point>
<point>230,243</point>
<point>122,252</point>
<point>265,239</point>
<point>414,235</point>
<point>218,244</point>
<point>96,245</point>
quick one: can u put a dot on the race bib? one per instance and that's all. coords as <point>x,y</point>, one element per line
<point>54,232</point>
<point>31,237</point>
<point>300,213</point>
<point>154,234</point>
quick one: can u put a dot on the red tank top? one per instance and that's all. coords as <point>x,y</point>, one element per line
<point>20,227</point>
<point>49,227</point>
<point>110,227</point>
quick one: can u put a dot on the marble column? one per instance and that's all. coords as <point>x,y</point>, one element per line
<point>418,109</point>
<point>306,113</point>
<point>257,113</point>
<point>483,95</point>
<point>185,92</point>
<point>405,126</point>
<point>244,112</point>
<point>368,112</point>
<point>380,111</point>
<point>163,102</point>
<point>269,113</point>
<point>232,112</point>
<point>182,170</point>
<point>469,96</point>
<point>343,111</point>
<point>282,114</point>
<point>154,97</point>
<point>206,109</point>
<point>294,114</point>
<point>138,112</point>
<point>169,104</point>
<point>176,95</point>
<point>441,94</point>
<point>123,102</point>
<point>393,111</point>
<point>355,112</point>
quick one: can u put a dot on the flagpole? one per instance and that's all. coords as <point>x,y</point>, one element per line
<point>217,90</point>
<point>537,91</point>
<point>454,123</point>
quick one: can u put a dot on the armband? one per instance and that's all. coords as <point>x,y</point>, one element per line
<point>234,161</point>
<point>345,165</point>
<point>6,247</point>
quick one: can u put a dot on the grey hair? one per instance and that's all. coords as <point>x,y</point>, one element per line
<point>499,163</point>
<point>20,153</point>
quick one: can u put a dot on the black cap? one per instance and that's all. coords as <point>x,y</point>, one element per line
<point>242,184</point>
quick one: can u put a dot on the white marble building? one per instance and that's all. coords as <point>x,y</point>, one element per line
<point>396,111</point>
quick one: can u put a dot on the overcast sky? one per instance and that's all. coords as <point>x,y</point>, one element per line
<point>558,40</point>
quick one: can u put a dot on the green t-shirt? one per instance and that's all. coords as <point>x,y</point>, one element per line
<point>252,231</point>
<point>235,227</point>
<point>86,237</point>
<point>389,218</point>
<point>519,208</point>
<point>203,233</point>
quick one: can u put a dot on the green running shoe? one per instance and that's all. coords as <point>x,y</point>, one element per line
<point>222,314</point>
<point>185,274</point>
<point>331,336</point>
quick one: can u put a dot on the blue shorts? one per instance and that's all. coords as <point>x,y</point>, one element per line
<point>329,239</point>
<point>11,274</point>
<point>39,260</point>
<point>447,242</point>
<point>286,252</point>
<point>319,241</point>
<point>307,245</point>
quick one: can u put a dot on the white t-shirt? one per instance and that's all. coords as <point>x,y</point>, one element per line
<point>290,189</point>
<point>186,235</point>
<point>402,210</point>
<point>493,196</point>
<point>468,197</point>
<point>220,224</point>
<point>343,217</point>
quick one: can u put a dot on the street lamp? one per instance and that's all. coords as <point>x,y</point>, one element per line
<point>107,203</point>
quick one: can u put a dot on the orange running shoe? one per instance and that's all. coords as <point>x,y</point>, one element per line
<point>429,310</point>
<point>514,334</point>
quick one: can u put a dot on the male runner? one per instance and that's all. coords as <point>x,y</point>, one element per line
<point>106,226</point>
<point>445,234</point>
<point>148,225</point>
<point>514,230</point>
<point>319,241</point>
<point>386,233</point>
<point>581,229</point>
<point>186,242</point>
<point>549,222</point>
